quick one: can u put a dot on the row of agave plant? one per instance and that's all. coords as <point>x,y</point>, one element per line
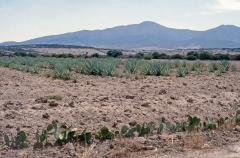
<point>65,135</point>
<point>64,68</point>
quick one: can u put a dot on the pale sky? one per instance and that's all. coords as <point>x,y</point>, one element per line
<point>25,19</point>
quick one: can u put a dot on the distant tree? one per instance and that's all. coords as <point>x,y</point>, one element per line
<point>191,57</point>
<point>155,55</point>
<point>63,55</point>
<point>235,57</point>
<point>114,53</point>
<point>22,54</point>
<point>164,56</point>
<point>148,56</point>
<point>176,56</point>
<point>222,56</point>
<point>95,55</point>
<point>193,53</point>
<point>206,56</point>
<point>139,55</point>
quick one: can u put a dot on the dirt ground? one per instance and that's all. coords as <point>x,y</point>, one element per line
<point>95,101</point>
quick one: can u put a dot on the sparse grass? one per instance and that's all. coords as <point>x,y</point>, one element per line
<point>55,97</point>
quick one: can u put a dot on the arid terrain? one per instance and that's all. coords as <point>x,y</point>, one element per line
<point>96,101</point>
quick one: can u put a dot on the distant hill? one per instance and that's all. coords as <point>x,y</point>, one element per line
<point>147,35</point>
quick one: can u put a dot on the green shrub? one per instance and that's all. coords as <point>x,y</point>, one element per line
<point>193,53</point>
<point>191,57</point>
<point>206,56</point>
<point>155,55</point>
<point>55,97</point>
<point>177,56</point>
<point>114,53</point>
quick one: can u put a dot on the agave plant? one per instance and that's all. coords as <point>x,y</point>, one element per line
<point>62,72</point>
<point>181,71</point>
<point>131,66</point>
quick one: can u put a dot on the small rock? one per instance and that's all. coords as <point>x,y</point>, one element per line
<point>184,83</point>
<point>132,123</point>
<point>129,97</point>
<point>114,124</point>
<point>41,100</point>
<point>38,107</point>
<point>173,97</point>
<point>9,126</point>
<point>71,104</point>
<point>45,116</point>
<point>162,91</point>
<point>103,104</point>
<point>53,104</point>
<point>140,140</point>
<point>237,128</point>
<point>103,98</point>
<point>127,110</point>
<point>190,100</point>
<point>146,104</point>
<point>154,110</point>
<point>119,121</point>
<point>9,116</point>
<point>169,102</point>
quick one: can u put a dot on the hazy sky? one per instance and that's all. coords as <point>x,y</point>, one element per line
<point>25,19</point>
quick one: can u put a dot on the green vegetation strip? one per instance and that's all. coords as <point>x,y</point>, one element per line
<point>63,135</point>
<point>65,68</point>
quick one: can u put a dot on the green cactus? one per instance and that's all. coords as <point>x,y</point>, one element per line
<point>104,133</point>
<point>237,117</point>
<point>209,125</point>
<point>193,123</point>
<point>85,137</point>
<point>17,142</point>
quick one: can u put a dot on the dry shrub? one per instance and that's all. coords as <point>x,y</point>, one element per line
<point>126,147</point>
<point>89,152</point>
<point>193,141</point>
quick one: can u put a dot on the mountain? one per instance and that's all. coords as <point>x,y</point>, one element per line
<point>8,43</point>
<point>147,34</point>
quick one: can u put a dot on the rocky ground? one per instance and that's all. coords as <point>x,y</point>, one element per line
<point>94,102</point>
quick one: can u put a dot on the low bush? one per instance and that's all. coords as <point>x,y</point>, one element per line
<point>114,53</point>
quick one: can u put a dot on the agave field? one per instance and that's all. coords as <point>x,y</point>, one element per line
<point>64,68</point>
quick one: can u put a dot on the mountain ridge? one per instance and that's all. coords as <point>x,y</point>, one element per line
<point>146,34</point>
